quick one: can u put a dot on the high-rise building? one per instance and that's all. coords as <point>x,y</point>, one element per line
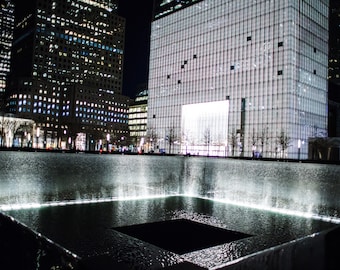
<point>66,73</point>
<point>138,114</point>
<point>165,7</point>
<point>239,77</point>
<point>6,37</point>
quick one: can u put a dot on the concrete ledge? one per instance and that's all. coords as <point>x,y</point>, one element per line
<point>23,249</point>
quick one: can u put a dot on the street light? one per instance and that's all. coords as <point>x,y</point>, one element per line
<point>69,143</point>
<point>107,141</point>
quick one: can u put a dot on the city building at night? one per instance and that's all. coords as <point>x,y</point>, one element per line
<point>16,132</point>
<point>238,78</point>
<point>165,7</point>
<point>334,70</point>
<point>334,42</point>
<point>138,114</point>
<point>66,72</point>
<point>6,37</point>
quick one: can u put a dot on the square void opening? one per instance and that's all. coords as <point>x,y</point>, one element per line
<point>181,235</point>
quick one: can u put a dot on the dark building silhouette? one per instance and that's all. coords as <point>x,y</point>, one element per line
<point>6,36</point>
<point>334,42</point>
<point>334,70</point>
<point>66,73</point>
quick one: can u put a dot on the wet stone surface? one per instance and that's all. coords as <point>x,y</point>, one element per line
<point>94,232</point>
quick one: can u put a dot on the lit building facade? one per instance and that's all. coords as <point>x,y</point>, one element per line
<point>6,37</point>
<point>239,77</point>
<point>66,73</point>
<point>165,7</point>
<point>138,114</point>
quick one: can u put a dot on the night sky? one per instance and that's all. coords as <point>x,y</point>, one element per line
<point>138,14</point>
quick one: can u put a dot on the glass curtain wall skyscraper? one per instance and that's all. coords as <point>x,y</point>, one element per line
<point>6,37</point>
<point>239,77</point>
<point>66,71</point>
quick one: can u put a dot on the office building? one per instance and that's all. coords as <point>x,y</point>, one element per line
<point>239,78</point>
<point>165,7</point>
<point>138,114</point>
<point>6,37</point>
<point>66,73</point>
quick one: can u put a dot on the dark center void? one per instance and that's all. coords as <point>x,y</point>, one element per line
<point>181,235</point>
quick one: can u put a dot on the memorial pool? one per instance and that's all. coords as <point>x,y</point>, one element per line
<point>77,201</point>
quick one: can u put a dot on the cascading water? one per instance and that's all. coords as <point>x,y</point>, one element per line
<point>309,190</point>
<point>33,179</point>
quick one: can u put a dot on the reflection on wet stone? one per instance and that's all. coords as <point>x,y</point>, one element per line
<point>181,235</point>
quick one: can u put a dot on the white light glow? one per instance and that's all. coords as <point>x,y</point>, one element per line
<point>282,211</point>
<point>272,209</point>
<point>96,4</point>
<point>205,127</point>
<point>23,206</point>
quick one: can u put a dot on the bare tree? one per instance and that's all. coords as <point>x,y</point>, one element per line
<point>23,130</point>
<point>233,141</point>
<point>185,139</point>
<point>284,141</point>
<point>207,138</point>
<point>152,137</point>
<point>253,141</point>
<point>13,125</point>
<point>171,138</point>
<point>263,137</point>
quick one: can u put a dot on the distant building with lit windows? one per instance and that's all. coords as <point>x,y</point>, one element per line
<point>334,70</point>
<point>6,37</point>
<point>66,74</point>
<point>138,114</point>
<point>334,42</point>
<point>238,77</point>
<point>165,7</point>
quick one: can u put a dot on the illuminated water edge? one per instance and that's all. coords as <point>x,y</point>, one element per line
<point>308,215</point>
